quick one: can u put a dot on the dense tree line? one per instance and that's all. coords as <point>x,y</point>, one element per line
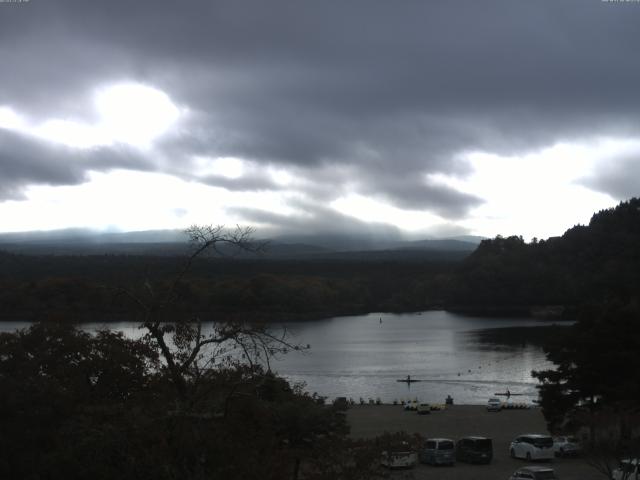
<point>77,406</point>
<point>594,365</point>
<point>85,288</point>
<point>594,388</point>
<point>586,264</point>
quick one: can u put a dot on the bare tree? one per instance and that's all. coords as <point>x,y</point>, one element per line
<point>608,456</point>
<point>187,350</point>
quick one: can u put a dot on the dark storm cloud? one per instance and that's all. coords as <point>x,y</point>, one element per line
<point>416,194</point>
<point>390,91</point>
<point>25,161</point>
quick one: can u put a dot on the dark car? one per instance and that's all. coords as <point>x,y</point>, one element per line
<point>474,450</point>
<point>341,403</point>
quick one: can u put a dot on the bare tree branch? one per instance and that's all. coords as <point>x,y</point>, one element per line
<point>187,344</point>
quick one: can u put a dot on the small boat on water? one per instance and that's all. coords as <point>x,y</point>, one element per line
<point>508,394</point>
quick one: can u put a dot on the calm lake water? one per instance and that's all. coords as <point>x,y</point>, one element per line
<point>358,356</point>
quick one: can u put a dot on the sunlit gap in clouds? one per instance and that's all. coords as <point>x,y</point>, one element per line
<point>371,210</point>
<point>540,194</point>
<point>135,114</point>
<point>10,120</point>
<point>131,201</point>
<point>127,113</point>
<point>228,167</point>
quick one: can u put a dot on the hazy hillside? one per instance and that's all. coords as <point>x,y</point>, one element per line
<point>175,242</point>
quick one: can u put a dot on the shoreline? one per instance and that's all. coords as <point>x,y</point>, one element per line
<point>525,312</point>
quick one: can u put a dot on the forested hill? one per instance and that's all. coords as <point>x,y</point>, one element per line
<point>86,288</point>
<point>587,264</point>
<point>72,278</point>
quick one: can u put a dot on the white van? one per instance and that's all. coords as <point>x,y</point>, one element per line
<point>532,447</point>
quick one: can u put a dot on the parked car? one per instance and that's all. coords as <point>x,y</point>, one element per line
<point>629,469</point>
<point>566,446</point>
<point>532,447</point>
<point>533,473</point>
<point>411,405</point>
<point>399,459</point>
<point>494,405</point>
<point>341,403</point>
<point>424,408</point>
<point>474,450</point>
<point>438,451</point>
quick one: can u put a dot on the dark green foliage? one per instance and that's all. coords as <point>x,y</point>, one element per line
<point>83,287</point>
<point>596,362</point>
<point>77,406</point>
<point>588,263</point>
<point>595,387</point>
<point>60,390</point>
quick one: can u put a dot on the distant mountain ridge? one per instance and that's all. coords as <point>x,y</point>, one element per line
<point>174,242</point>
<point>80,235</point>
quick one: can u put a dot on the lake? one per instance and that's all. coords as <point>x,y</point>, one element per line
<point>360,356</point>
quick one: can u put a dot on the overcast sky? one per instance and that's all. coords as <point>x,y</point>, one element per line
<point>392,117</point>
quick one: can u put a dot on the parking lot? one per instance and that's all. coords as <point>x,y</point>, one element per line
<point>369,421</point>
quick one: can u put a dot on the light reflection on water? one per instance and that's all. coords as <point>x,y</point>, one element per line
<point>359,356</point>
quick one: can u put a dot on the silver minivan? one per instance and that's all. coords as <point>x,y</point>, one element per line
<point>438,451</point>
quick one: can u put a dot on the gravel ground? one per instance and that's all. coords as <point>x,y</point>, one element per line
<point>458,421</point>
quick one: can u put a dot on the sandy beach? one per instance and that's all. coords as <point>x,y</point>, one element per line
<point>368,421</point>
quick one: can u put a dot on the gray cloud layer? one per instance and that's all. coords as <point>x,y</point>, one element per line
<point>374,91</point>
<point>619,178</point>
<point>24,161</point>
